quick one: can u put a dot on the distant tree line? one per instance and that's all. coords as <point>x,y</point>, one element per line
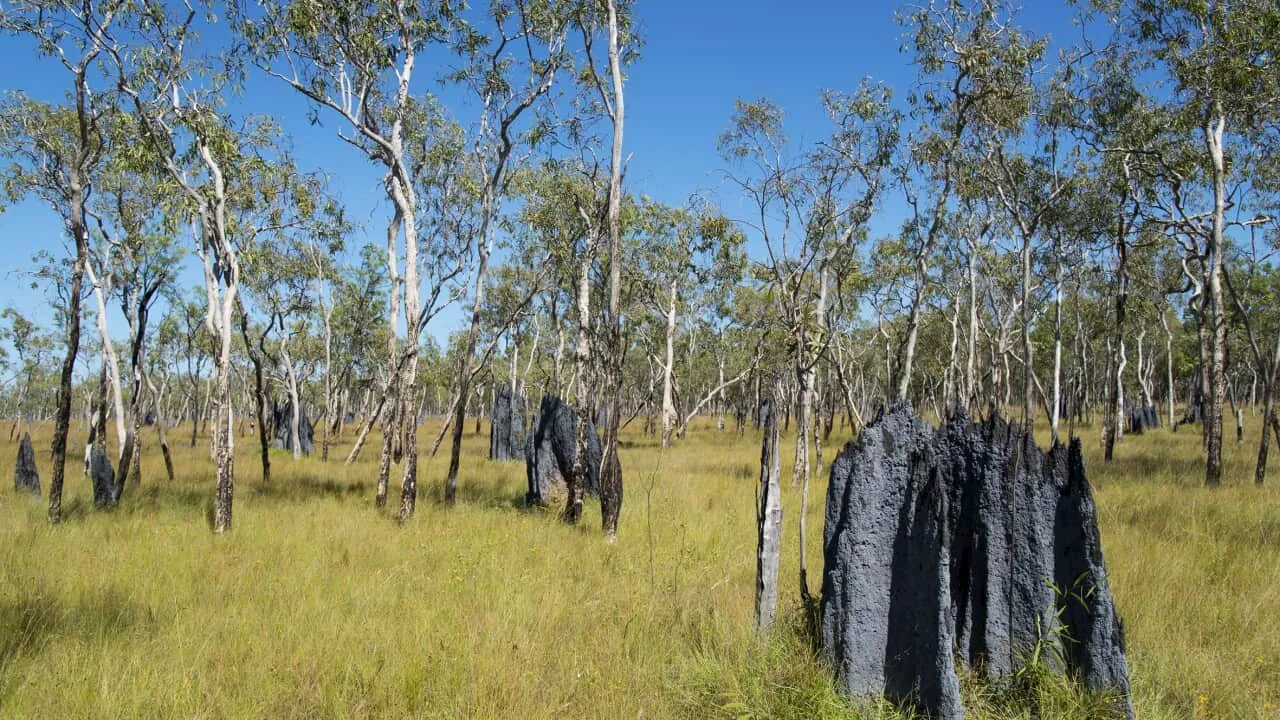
<point>1082,230</point>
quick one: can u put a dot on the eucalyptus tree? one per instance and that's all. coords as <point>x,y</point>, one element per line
<point>281,267</point>
<point>132,262</point>
<point>1023,162</point>
<point>163,356</point>
<point>967,62</point>
<point>1109,115</point>
<point>613,17</point>
<point>277,285</point>
<point>357,63</point>
<point>32,347</point>
<point>1258,261</point>
<point>681,250</point>
<point>197,350</point>
<point>101,283</point>
<point>324,273</point>
<point>55,153</point>
<point>813,207</point>
<point>598,203</point>
<point>1252,283</point>
<point>548,221</point>
<point>255,339</point>
<point>360,289</point>
<point>510,66</point>
<point>232,177</point>
<point>561,210</point>
<point>1217,63</point>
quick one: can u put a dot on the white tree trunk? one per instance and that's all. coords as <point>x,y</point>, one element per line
<point>110,359</point>
<point>768,522</point>
<point>668,372</point>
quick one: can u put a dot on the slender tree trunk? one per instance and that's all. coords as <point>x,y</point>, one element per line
<point>1056,410</point>
<point>259,397</point>
<point>721,409</point>
<point>162,421</point>
<point>331,414</point>
<point>483,246</point>
<point>610,467</point>
<point>1028,364</point>
<point>819,401</point>
<point>952,369</point>
<point>557,379</point>
<point>668,371</point>
<point>62,419</point>
<point>112,364</point>
<point>1113,418</point>
<point>582,369</point>
<point>907,365</point>
<point>392,394</point>
<point>1168,353</point>
<point>197,411</point>
<point>295,402</point>
<point>768,522</point>
<point>802,452</point>
<point>970,370</point>
<point>1214,305</point>
<point>389,423</point>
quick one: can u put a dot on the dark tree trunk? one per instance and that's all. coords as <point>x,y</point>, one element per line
<point>1112,418</point>
<point>259,398</point>
<point>62,421</point>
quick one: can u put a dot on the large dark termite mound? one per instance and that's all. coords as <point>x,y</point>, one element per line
<point>551,449</point>
<point>506,433</point>
<point>965,543</point>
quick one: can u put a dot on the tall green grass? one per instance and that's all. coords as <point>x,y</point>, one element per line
<point>317,605</point>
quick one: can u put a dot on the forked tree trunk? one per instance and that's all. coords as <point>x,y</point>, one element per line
<point>111,363</point>
<point>162,422</point>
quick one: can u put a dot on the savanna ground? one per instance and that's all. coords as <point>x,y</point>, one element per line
<point>316,605</point>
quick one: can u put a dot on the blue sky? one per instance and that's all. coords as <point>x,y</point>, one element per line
<point>699,56</point>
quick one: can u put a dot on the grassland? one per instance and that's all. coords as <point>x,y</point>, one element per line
<point>316,605</point>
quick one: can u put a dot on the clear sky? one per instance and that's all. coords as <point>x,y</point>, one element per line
<point>699,56</point>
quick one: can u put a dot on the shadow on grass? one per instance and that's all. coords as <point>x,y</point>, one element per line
<point>160,495</point>
<point>309,487</point>
<point>487,486</point>
<point>31,621</point>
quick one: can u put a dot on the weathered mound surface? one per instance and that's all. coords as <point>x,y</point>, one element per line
<point>968,542</point>
<point>1142,418</point>
<point>550,451</point>
<point>281,417</point>
<point>104,478</point>
<point>506,433</point>
<point>25,476</point>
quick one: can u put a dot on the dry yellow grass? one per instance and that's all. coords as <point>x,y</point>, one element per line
<point>316,605</point>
